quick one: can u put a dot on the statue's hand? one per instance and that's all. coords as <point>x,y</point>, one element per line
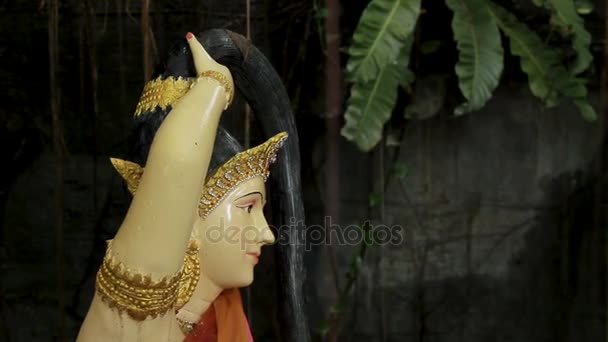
<point>207,67</point>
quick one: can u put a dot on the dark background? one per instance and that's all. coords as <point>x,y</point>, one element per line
<point>501,210</point>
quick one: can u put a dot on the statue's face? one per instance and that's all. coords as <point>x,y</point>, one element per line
<point>232,236</point>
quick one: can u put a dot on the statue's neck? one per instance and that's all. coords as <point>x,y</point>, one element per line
<point>205,293</point>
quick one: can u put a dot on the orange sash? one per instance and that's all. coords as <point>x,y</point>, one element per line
<point>224,321</point>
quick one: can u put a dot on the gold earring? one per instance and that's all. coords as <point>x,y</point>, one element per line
<point>190,274</point>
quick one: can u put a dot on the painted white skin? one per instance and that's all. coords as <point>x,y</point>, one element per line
<point>159,223</point>
<point>231,239</point>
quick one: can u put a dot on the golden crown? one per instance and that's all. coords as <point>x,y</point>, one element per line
<point>245,165</point>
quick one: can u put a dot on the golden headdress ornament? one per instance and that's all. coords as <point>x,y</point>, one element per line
<point>245,165</point>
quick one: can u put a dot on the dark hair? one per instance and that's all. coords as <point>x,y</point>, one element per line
<point>259,84</point>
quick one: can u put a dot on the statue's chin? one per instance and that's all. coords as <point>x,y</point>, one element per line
<point>248,280</point>
<point>243,280</point>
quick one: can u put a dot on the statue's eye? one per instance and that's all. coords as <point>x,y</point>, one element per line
<point>247,207</point>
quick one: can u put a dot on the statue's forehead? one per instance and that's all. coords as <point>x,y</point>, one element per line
<point>249,186</point>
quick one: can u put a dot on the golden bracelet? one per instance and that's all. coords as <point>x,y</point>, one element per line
<point>222,80</point>
<point>136,294</point>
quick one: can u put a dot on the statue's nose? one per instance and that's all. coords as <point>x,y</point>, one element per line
<point>266,237</point>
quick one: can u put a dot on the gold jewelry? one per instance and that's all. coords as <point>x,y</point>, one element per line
<point>190,274</point>
<point>222,80</point>
<point>130,172</point>
<point>185,326</point>
<point>162,93</point>
<point>134,293</point>
<point>243,166</point>
<point>138,295</point>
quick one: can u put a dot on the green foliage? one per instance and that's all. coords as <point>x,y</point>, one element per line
<point>548,78</point>
<point>371,103</point>
<point>586,109</point>
<point>380,36</point>
<point>480,59</point>
<point>400,170</point>
<point>324,328</point>
<point>583,6</point>
<point>536,60</point>
<point>379,58</point>
<point>375,199</point>
<point>566,17</point>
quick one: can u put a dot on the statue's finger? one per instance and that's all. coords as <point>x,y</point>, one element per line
<point>202,60</point>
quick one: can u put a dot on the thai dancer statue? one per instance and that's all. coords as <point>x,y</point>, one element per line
<point>195,227</point>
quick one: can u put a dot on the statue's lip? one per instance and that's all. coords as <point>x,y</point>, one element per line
<point>255,257</point>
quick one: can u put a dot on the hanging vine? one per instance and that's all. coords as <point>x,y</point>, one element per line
<point>58,148</point>
<point>146,39</point>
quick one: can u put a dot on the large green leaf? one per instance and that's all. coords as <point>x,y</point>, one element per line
<point>574,88</point>
<point>568,19</point>
<point>380,35</point>
<point>547,77</point>
<point>480,60</point>
<point>537,60</point>
<point>371,103</point>
<point>586,110</point>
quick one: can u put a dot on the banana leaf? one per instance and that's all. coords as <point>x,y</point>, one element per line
<point>548,78</point>
<point>380,36</point>
<point>567,18</point>
<point>371,103</point>
<point>480,60</point>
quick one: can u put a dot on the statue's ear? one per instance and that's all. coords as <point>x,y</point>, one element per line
<point>129,171</point>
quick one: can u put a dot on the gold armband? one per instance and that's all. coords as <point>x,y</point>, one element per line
<point>223,81</point>
<point>136,294</point>
<point>162,93</point>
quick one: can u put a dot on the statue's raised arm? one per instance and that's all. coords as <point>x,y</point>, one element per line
<point>157,227</point>
<point>152,240</point>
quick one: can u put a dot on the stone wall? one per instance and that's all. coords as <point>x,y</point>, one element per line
<point>499,241</point>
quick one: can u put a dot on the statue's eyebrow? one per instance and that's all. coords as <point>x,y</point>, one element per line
<point>252,193</point>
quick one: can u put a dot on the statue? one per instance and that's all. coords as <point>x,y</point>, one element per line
<point>195,227</point>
